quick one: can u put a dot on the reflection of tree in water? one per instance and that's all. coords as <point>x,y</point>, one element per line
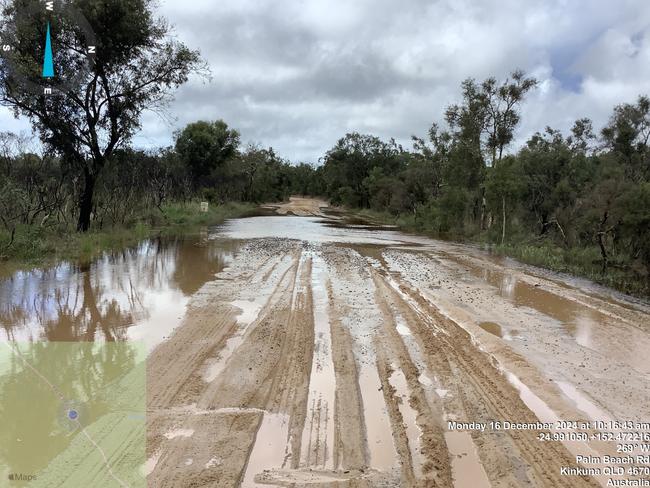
<point>31,411</point>
<point>197,261</point>
<point>102,299</point>
<point>68,309</point>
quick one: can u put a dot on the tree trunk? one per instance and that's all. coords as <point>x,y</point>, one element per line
<point>482,210</point>
<point>503,227</point>
<point>603,251</point>
<point>602,234</point>
<point>86,202</point>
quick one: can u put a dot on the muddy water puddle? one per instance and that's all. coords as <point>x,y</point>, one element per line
<point>139,293</point>
<point>383,455</point>
<point>401,326</point>
<point>318,434</point>
<point>312,229</point>
<point>466,467</point>
<point>590,328</point>
<point>150,464</point>
<point>172,434</point>
<point>545,413</point>
<point>492,327</point>
<point>398,381</point>
<point>582,402</point>
<point>271,449</point>
<point>496,330</point>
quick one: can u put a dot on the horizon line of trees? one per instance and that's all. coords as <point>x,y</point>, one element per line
<point>206,162</point>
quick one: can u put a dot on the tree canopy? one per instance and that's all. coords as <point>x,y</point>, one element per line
<point>137,66</point>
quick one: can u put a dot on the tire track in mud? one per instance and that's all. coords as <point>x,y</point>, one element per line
<point>231,412</point>
<point>283,360</point>
<point>249,375</point>
<point>329,449</point>
<point>619,310</point>
<point>423,454</point>
<point>560,379</point>
<point>318,434</point>
<point>356,318</point>
<point>328,368</point>
<point>269,372</point>
<point>481,393</point>
<point>350,432</point>
<point>335,394</point>
<point>544,351</point>
<point>212,317</point>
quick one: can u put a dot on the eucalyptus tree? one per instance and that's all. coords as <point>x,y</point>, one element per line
<point>501,110</point>
<point>112,60</point>
<point>205,146</point>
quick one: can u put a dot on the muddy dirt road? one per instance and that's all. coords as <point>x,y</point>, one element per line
<point>320,351</point>
<point>334,355</point>
<point>300,206</point>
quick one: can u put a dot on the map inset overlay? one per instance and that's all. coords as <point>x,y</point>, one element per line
<point>72,414</point>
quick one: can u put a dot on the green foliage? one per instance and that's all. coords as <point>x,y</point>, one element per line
<point>36,245</point>
<point>449,211</point>
<point>635,222</point>
<point>136,68</point>
<point>627,137</point>
<point>205,146</point>
<point>570,203</point>
<point>349,163</point>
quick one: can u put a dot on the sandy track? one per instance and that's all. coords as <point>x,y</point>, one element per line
<point>329,364</point>
<point>299,206</point>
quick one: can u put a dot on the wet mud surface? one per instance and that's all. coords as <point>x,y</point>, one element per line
<point>319,351</point>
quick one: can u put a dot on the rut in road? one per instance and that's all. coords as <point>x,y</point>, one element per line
<point>315,364</point>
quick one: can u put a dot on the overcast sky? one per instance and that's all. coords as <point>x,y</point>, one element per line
<point>298,74</point>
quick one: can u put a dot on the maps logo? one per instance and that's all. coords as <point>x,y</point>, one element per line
<point>22,477</point>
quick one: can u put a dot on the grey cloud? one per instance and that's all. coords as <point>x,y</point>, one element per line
<point>298,74</point>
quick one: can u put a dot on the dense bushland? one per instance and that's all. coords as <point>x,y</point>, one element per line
<point>136,190</point>
<point>577,202</point>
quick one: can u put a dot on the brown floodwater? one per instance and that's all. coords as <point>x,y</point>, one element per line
<point>492,327</point>
<point>139,293</point>
<point>589,327</point>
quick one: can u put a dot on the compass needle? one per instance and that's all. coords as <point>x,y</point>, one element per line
<point>52,28</point>
<point>48,61</point>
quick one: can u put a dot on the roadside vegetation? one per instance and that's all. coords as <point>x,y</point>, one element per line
<point>33,245</point>
<point>576,202</point>
<point>138,195</point>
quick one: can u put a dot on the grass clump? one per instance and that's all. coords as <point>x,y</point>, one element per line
<point>33,245</point>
